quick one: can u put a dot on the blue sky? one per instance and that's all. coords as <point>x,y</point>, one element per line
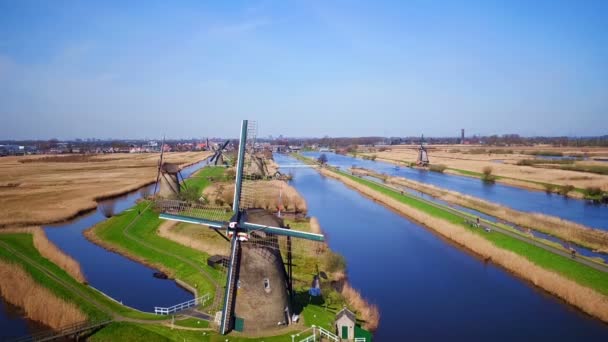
<point>302,68</point>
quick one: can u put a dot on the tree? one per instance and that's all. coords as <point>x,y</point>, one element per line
<point>322,159</point>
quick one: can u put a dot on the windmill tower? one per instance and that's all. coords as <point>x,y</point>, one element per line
<point>423,156</point>
<point>218,155</point>
<point>169,186</point>
<point>167,178</point>
<point>258,282</point>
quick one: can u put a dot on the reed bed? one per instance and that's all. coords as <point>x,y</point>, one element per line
<point>270,195</point>
<point>369,312</point>
<point>50,251</point>
<point>52,191</point>
<point>567,230</point>
<point>584,298</point>
<point>40,304</point>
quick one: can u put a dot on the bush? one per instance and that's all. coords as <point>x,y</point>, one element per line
<point>437,167</point>
<point>549,188</point>
<point>487,175</point>
<point>593,191</point>
<point>565,189</point>
<point>322,159</point>
<point>335,262</point>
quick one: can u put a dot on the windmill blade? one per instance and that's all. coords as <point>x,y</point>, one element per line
<point>225,144</point>
<point>194,220</point>
<point>240,164</point>
<point>230,288</point>
<point>160,164</point>
<point>182,211</point>
<point>282,231</point>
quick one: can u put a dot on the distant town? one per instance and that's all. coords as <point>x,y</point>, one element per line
<point>278,144</point>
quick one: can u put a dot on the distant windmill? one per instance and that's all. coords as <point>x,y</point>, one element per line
<point>168,177</point>
<point>255,263</point>
<point>218,156</point>
<point>423,156</point>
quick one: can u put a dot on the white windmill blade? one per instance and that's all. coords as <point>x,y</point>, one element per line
<point>283,231</point>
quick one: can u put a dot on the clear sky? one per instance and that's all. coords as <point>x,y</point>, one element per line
<point>302,68</point>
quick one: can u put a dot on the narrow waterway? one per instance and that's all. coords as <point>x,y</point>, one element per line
<point>583,212</point>
<point>425,287</point>
<point>126,281</point>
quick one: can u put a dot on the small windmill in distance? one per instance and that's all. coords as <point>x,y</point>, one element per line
<point>168,177</point>
<point>423,156</point>
<point>218,156</point>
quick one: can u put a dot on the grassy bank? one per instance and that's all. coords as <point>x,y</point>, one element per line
<point>577,284</point>
<point>134,233</point>
<point>566,230</point>
<point>94,304</point>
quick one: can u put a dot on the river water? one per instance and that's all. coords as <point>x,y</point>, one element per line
<point>583,212</point>
<point>124,280</point>
<point>425,287</point>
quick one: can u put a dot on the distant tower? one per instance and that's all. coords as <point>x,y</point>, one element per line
<point>462,135</point>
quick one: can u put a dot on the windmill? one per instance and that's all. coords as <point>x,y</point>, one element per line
<point>254,260</point>
<point>218,156</point>
<point>423,157</point>
<point>168,177</point>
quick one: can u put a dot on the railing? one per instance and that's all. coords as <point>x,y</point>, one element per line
<point>182,306</point>
<point>328,334</point>
<point>68,330</point>
<point>309,338</point>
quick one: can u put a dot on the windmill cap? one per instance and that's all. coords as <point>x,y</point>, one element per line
<point>170,168</point>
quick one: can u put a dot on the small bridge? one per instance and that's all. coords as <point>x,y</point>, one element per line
<point>182,306</point>
<point>70,331</point>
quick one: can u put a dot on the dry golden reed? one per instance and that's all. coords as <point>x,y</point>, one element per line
<point>40,304</point>
<point>50,251</point>
<point>584,298</point>
<point>59,190</point>
<point>369,312</point>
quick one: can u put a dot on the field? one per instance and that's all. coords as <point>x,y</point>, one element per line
<point>471,160</point>
<point>38,190</point>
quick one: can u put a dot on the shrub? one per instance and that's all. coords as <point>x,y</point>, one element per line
<point>335,262</point>
<point>549,188</point>
<point>565,189</point>
<point>437,167</point>
<point>487,175</point>
<point>593,191</point>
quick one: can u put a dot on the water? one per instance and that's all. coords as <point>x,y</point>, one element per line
<point>120,278</point>
<point>584,212</point>
<point>426,288</point>
<point>13,324</point>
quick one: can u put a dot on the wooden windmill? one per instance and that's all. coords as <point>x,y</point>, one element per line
<point>423,156</point>
<point>255,262</point>
<point>168,178</point>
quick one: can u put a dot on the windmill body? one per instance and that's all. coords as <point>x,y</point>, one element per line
<point>423,157</point>
<point>169,186</point>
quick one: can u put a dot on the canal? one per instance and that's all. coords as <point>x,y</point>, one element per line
<point>425,287</point>
<point>583,212</point>
<point>127,281</point>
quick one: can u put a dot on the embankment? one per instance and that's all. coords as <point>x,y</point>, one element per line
<point>50,251</point>
<point>19,288</point>
<point>592,238</point>
<point>588,300</point>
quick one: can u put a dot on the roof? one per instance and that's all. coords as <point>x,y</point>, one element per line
<point>170,168</point>
<point>347,313</point>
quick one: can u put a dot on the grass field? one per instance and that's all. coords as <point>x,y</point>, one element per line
<point>62,189</point>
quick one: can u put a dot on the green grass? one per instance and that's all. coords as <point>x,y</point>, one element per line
<point>23,243</point>
<point>579,273</point>
<point>192,323</point>
<point>145,228</point>
<point>143,332</point>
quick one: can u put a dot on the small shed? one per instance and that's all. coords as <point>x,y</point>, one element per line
<point>216,260</point>
<point>345,324</point>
